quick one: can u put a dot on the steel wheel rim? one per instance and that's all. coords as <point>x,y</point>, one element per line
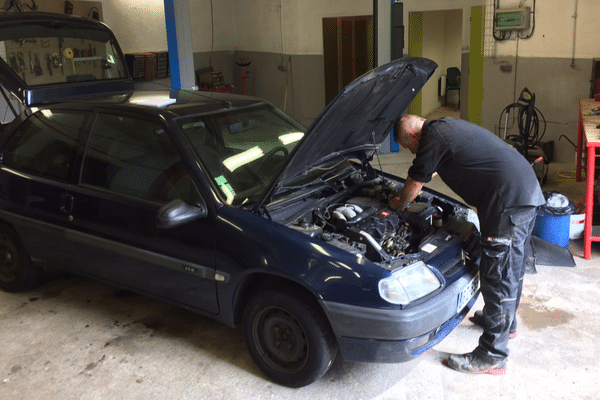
<point>280,340</point>
<point>9,260</point>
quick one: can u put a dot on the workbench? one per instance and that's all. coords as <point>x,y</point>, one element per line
<point>588,130</point>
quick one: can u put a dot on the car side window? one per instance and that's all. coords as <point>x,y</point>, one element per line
<point>135,158</point>
<point>46,144</point>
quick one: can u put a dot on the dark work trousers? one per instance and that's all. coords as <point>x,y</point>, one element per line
<point>506,248</point>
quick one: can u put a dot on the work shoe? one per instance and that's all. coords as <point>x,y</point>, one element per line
<point>471,364</point>
<point>477,319</point>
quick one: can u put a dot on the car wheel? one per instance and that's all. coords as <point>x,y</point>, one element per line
<point>16,271</point>
<point>288,338</point>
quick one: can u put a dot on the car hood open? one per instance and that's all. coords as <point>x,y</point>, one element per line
<point>358,120</point>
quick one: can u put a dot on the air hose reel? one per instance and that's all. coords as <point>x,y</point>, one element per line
<point>532,127</point>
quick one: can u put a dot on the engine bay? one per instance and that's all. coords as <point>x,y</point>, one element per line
<point>362,224</point>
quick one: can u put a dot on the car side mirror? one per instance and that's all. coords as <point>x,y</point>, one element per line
<point>177,212</point>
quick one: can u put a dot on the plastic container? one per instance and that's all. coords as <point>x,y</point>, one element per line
<point>552,228</point>
<point>577,225</point>
<point>553,221</point>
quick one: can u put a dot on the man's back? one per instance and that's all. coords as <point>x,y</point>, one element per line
<point>485,171</point>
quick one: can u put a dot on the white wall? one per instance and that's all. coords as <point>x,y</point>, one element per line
<point>225,29</point>
<point>254,25</point>
<point>554,24</point>
<point>139,25</point>
<point>246,25</point>
<point>553,36</point>
<point>258,23</point>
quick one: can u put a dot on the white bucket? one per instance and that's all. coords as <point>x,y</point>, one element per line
<point>576,226</point>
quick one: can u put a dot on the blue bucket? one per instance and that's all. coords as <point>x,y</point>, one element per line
<point>552,228</point>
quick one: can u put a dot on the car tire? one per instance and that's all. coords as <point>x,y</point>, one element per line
<point>16,271</point>
<point>288,338</point>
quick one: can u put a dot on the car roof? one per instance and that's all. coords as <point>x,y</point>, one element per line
<point>170,104</point>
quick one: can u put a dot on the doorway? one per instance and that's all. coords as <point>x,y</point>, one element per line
<point>347,51</point>
<point>437,35</point>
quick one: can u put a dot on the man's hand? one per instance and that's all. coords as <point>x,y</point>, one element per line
<point>406,195</point>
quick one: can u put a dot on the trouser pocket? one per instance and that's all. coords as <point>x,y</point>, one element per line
<point>495,257</point>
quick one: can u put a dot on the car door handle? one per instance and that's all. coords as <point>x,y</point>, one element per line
<point>66,203</point>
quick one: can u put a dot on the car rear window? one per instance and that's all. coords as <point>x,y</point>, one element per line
<point>42,54</point>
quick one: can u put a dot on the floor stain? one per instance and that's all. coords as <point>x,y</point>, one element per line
<point>93,365</point>
<point>126,343</point>
<point>537,315</point>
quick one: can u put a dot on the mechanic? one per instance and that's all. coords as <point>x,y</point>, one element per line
<point>499,182</point>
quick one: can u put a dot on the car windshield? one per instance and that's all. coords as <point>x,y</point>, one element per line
<point>242,150</point>
<point>42,54</point>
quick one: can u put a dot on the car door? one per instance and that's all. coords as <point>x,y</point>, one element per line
<point>130,169</point>
<point>38,167</point>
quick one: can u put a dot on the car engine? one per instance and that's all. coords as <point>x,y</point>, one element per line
<point>362,224</point>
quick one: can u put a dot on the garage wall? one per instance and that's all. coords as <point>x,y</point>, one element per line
<point>251,30</point>
<point>543,63</point>
<point>271,34</point>
<point>139,25</point>
<point>283,40</point>
<point>554,64</point>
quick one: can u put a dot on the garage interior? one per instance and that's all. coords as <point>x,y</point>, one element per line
<point>73,338</point>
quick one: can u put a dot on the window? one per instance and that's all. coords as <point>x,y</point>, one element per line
<point>242,150</point>
<point>135,158</point>
<point>45,53</point>
<point>46,144</point>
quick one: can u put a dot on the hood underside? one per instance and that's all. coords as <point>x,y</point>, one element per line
<point>361,116</point>
<point>358,120</point>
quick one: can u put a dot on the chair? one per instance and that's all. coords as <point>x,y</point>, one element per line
<point>452,83</point>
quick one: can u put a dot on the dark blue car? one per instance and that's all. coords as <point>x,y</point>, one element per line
<point>224,205</point>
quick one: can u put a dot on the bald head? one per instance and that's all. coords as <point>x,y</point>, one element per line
<point>407,131</point>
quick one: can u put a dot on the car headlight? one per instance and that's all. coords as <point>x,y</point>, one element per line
<point>409,284</point>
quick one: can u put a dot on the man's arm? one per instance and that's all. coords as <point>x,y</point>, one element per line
<point>408,193</point>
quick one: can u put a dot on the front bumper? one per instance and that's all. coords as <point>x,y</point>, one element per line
<point>388,336</point>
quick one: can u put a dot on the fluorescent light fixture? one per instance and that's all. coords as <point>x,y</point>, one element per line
<point>291,137</point>
<point>232,163</point>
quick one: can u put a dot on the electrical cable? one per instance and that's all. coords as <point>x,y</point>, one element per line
<point>530,34</point>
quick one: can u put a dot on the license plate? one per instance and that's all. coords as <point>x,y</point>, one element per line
<point>468,292</point>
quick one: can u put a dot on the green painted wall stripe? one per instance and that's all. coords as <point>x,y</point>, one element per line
<point>415,49</point>
<point>476,65</point>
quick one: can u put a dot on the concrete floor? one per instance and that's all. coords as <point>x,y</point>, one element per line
<point>73,338</point>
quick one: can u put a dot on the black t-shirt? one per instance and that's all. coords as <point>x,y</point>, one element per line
<point>477,165</point>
